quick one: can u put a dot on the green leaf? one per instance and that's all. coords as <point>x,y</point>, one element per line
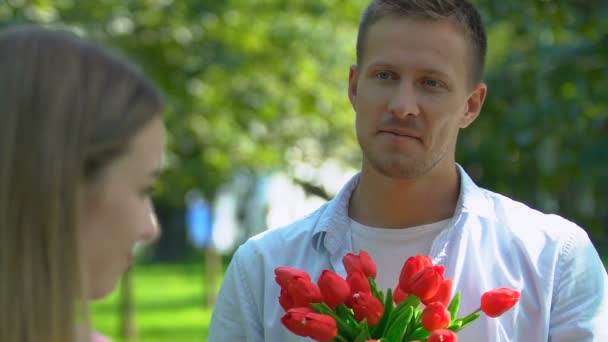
<point>398,323</point>
<point>375,290</point>
<point>322,308</point>
<point>419,334</point>
<point>411,300</point>
<point>344,327</point>
<point>340,338</point>
<point>364,334</point>
<point>415,322</point>
<point>347,313</point>
<point>378,329</point>
<point>455,305</point>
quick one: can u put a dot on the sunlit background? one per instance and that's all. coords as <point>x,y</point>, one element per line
<point>261,131</point>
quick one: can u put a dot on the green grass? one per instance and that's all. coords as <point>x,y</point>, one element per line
<point>170,305</point>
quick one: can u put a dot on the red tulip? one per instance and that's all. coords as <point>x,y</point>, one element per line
<point>436,316</point>
<point>297,289</point>
<point>444,293</point>
<point>285,300</point>
<point>362,262</point>
<point>303,292</point>
<point>497,301</point>
<point>412,266</point>
<point>286,273</point>
<point>425,283</point>
<point>365,305</point>
<point>443,335</point>
<point>304,322</point>
<point>334,289</point>
<point>293,318</point>
<point>399,295</point>
<point>358,282</point>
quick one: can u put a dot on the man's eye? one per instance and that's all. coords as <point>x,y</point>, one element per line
<point>384,75</point>
<point>432,83</point>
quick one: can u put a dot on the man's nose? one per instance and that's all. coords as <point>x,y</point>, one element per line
<point>404,101</point>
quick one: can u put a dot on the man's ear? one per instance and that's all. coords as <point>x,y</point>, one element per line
<point>353,76</point>
<point>474,105</point>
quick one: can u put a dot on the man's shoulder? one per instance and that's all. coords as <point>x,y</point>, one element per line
<point>521,219</point>
<point>297,234</point>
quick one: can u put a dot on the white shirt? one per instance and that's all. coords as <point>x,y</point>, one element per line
<point>391,247</point>
<point>492,241</point>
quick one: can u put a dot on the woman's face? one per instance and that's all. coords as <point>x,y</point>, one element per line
<point>117,212</point>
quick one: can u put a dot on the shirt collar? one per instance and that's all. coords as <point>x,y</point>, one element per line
<point>334,223</point>
<point>473,199</point>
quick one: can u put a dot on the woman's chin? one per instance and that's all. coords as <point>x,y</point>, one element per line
<point>100,291</point>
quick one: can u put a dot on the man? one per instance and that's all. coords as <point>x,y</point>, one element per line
<point>417,82</point>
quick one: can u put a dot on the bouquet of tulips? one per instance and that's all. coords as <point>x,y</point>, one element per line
<point>355,310</point>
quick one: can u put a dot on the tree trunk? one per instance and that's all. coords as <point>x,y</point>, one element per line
<point>212,268</point>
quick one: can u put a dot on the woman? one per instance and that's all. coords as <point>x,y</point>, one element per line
<point>81,141</point>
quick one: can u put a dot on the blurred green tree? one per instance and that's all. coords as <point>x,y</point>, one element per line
<point>261,84</point>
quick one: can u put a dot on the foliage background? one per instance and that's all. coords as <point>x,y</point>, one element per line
<point>259,84</point>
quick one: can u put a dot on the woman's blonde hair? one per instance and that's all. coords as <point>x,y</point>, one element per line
<point>67,108</point>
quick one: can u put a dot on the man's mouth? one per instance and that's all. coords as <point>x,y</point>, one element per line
<point>401,133</point>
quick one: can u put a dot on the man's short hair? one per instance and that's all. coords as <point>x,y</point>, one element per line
<point>461,12</point>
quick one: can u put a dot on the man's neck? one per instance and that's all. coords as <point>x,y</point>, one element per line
<point>381,201</point>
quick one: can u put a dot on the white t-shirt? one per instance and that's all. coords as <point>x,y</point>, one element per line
<point>391,247</point>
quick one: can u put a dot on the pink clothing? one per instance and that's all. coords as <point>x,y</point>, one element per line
<point>100,338</point>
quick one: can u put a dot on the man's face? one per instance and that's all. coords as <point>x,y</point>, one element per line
<point>412,93</point>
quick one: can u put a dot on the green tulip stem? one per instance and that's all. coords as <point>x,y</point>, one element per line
<point>471,315</point>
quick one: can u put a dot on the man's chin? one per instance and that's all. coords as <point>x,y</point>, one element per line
<point>398,169</point>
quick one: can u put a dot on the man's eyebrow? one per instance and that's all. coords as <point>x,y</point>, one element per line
<point>436,72</point>
<point>426,70</point>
